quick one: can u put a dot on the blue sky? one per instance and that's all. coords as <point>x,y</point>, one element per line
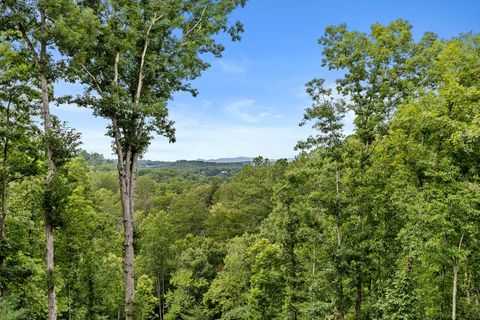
<point>252,99</point>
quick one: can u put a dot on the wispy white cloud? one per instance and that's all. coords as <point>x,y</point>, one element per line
<point>219,140</point>
<point>201,133</point>
<point>203,136</point>
<point>233,67</point>
<point>242,110</point>
<point>237,109</point>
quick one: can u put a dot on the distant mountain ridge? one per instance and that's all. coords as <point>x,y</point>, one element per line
<point>93,156</point>
<point>219,167</point>
<point>228,160</point>
<point>223,167</point>
<point>236,160</point>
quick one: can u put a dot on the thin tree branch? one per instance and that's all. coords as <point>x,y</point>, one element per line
<point>115,127</point>
<point>190,30</point>
<point>461,240</point>
<point>115,68</point>
<point>94,79</point>
<point>142,59</point>
<point>25,37</point>
<point>141,74</point>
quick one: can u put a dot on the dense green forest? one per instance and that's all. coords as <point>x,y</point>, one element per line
<point>382,223</point>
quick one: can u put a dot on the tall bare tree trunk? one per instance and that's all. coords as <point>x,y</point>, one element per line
<point>159,295</point>
<point>49,239</point>
<point>358,294</point>
<point>3,218</point>
<point>454,292</point>
<point>341,311</point>
<point>127,160</point>
<point>127,202</point>
<point>127,181</point>
<point>455,281</point>
<point>314,270</point>
<point>358,277</point>
<point>127,163</point>
<point>163,297</point>
<point>41,61</point>
<point>126,167</point>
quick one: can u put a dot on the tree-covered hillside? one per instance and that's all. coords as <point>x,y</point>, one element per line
<point>97,162</point>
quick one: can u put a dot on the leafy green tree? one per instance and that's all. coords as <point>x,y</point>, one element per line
<point>190,209</point>
<point>24,271</point>
<point>242,203</point>
<point>105,180</point>
<point>156,254</point>
<point>141,54</point>
<point>327,114</point>
<point>18,134</point>
<point>227,296</point>
<point>401,301</point>
<point>197,261</point>
<point>267,291</point>
<point>145,192</point>
<point>85,261</point>
<point>381,70</point>
<point>441,124</point>
<point>8,310</point>
<point>38,24</point>
<point>146,300</point>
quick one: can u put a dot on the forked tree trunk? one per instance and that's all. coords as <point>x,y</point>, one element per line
<point>127,181</point>
<point>127,164</point>
<point>127,167</point>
